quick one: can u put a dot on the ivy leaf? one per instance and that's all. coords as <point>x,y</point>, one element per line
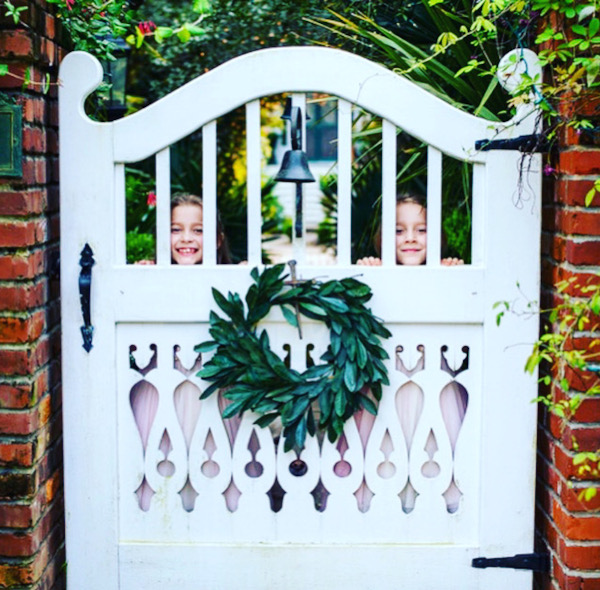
<point>201,6</point>
<point>184,35</point>
<point>162,33</point>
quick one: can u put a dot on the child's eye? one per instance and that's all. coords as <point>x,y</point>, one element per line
<point>198,230</point>
<point>422,230</point>
<point>399,230</point>
<point>175,230</point>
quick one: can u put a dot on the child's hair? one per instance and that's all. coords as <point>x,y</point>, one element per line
<point>223,254</point>
<point>401,198</point>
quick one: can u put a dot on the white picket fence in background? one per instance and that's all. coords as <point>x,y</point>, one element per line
<point>182,500</point>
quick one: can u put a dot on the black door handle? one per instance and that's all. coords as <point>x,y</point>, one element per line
<point>85,287</point>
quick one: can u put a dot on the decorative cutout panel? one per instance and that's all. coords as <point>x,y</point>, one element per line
<point>188,474</point>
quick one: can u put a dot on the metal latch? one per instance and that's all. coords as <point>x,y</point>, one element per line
<point>523,143</point>
<point>537,562</point>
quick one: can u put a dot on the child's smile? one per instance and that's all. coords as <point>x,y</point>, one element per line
<point>186,234</point>
<point>411,234</point>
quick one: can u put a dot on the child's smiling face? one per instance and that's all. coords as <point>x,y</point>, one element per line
<point>186,234</point>
<point>411,234</point>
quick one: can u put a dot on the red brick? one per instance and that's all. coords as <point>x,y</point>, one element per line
<point>34,110</point>
<point>579,161</point>
<point>21,330</point>
<point>16,516</point>
<point>49,53</point>
<point>578,222</point>
<point>16,454</point>
<point>589,410</point>
<point>553,274</point>
<point>34,171</point>
<point>15,396</point>
<point>17,43</point>
<point>14,78</point>
<point>17,544</point>
<point>23,297</point>
<point>576,528</point>
<point>34,140</point>
<point>581,381</point>
<point>23,202</point>
<point>15,234</point>
<point>24,361</point>
<point>50,26</point>
<point>24,422</point>
<point>564,461</point>
<point>580,557</point>
<point>22,266</point>
<point>586,438</point>
<point>583,253</point>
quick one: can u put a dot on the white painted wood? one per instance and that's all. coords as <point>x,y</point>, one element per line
<point>478,215</point>
<point>434,206</point>
<point>344,181</point>
<point>298,243</point>
<point>388,193</point>
<point>412,495</point>
<point>163,207</point>
<point>209,193</point>
<point>205,98</point>
<point>120,255</point>
<point>253,158</point>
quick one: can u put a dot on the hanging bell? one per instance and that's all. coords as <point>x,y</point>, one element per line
<point>294,168</point>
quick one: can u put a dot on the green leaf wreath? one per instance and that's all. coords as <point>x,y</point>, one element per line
<point>254,378</point>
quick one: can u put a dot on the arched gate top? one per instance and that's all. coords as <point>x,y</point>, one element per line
<point>297,69</point>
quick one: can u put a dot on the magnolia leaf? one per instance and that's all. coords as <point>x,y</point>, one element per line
<point>313,309</point>
<point>206,346</point>
<point>368,405</point>
<point>336,304</point>
<point>257,379</point>
<point>290,316</point>
<point>266,419</point>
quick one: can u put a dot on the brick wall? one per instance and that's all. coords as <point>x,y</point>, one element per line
<point>569,527</point>
<point>31,506</point>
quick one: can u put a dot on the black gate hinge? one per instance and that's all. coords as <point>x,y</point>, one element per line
<point>523,143</point>
<point>537,562</point>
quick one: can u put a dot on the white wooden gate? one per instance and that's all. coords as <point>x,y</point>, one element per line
<point>471,488</point>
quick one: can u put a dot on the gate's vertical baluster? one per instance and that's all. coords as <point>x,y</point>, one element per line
<point>209,193</point>
<point>299,100</point>
<point>163,207</point>
<point>478,192</point>
<point>388,191</point>
<point>120,253</point>
<point>434,205</point>
<point>344,182</point>
<point>253,156</point>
